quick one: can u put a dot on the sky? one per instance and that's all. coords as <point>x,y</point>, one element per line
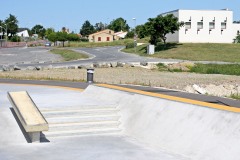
<point>73,13</point>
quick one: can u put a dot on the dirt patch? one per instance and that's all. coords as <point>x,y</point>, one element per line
<point>219,85</point>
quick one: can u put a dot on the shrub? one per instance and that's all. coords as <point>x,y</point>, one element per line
<point>84,39</point>
<point>15,39</point>
<point>129,45</point>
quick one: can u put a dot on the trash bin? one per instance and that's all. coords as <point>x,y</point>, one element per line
<point>90,72</point>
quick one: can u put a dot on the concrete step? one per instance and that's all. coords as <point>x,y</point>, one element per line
<point>86,118</point>
<point>83,112</point>
<point>85,125</point>
<point>47,109</point>
<point>83,132</point>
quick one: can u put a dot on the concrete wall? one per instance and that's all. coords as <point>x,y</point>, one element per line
<point>197,132</point>
<point>236,30</point>
<point>204,35</point>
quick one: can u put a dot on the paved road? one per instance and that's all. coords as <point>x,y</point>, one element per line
<point>82,85</point>
<point>40,56</point>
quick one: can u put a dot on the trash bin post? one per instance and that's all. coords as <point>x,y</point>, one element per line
<point>90,72</point>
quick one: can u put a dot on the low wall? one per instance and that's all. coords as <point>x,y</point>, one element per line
<point>197,132</point>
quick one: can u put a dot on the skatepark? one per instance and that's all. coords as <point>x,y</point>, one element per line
<point>111,122</point>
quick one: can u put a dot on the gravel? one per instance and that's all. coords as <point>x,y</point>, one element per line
<point>220,85</point>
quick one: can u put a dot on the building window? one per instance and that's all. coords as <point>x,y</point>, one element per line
<point>199,25</point>
<point>238,32</point>
<point>211,25</point>
<point>108,38</point>
<point>223,25</point>
<point>99,39</point>
<point>187,25</point>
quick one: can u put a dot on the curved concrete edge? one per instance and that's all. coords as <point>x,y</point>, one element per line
<point>173,98</point>
<point>180,128</point>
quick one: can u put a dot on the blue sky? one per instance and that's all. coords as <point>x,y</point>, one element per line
<point>73,13</point>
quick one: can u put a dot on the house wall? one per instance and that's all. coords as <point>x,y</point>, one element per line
<point>103,37</point>
<point>103,34</point>
<point>204,35</point>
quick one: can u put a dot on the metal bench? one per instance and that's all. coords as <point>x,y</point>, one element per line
<point>28,114</point>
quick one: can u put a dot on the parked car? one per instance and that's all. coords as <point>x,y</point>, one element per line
<point>48,44</point>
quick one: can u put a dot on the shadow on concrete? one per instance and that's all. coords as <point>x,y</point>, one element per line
<point>43,137</point>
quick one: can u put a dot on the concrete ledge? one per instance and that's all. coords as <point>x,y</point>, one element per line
<point>173,98</point>
<point>29,115</point>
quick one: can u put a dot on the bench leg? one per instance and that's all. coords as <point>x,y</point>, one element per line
<point>34,137</point>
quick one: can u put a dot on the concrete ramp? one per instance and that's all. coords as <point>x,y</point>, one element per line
<point>196,130</point>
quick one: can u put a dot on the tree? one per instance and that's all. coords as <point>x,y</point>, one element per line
<point>87,29</point>
<point>99,26</point>
<point>73,37</point>
<point>52,37</point>
<point>39,29</point>
<point>49,31</point>
<point>119,24</point>
<point>141,31</point>
<point>11,24</point>
<point>130,34</point>
<point>62,36</point>
<point>160,26</point>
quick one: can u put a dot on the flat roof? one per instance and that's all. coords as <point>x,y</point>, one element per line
<point>194,10</point>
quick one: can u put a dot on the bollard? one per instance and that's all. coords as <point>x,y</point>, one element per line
<point>90,75</point>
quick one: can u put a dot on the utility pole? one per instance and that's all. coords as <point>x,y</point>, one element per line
<point>135,35</point>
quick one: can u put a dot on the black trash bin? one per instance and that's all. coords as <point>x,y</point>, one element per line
<point>90,72</point>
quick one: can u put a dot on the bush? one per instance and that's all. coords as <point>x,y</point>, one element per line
<point>84,40</point>
<point>15,39</point>
<point>238,39</point>
<point>129,45</point>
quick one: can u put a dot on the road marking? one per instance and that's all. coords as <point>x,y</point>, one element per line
<point>173,98</point>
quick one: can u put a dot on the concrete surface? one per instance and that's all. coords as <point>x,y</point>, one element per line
<point>99,146</point>
<point>149,127</point>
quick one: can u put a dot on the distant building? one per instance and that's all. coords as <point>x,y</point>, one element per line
<point>106,35</point>
<point>121,34</point>
<point>23,34</point>
<point>204,26</point>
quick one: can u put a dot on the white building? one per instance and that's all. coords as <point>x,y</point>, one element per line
<point>204,26</point>
<point>23,34</point>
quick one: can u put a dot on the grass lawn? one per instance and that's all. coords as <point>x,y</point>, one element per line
<point>194,51</point>
<point>228,69</point>
<point>69,55</point>
<point>100,44</point>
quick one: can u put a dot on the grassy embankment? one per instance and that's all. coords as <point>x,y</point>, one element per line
<point>193,51</point>
<point>69,55</point>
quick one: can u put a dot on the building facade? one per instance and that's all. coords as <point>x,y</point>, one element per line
<point>204,26</point>
<point>106,35</point>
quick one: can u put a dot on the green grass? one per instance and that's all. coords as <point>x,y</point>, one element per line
<point>235,96</point>
<point>193,51</point>
<point>69,55</point>
<point>227,69</point>
<point>100,44</point>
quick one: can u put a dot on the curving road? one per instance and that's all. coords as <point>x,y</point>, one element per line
<point>41,56</point>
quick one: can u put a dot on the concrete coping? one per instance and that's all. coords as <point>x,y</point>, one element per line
<point>173,98</point>
<point>29,115</point>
